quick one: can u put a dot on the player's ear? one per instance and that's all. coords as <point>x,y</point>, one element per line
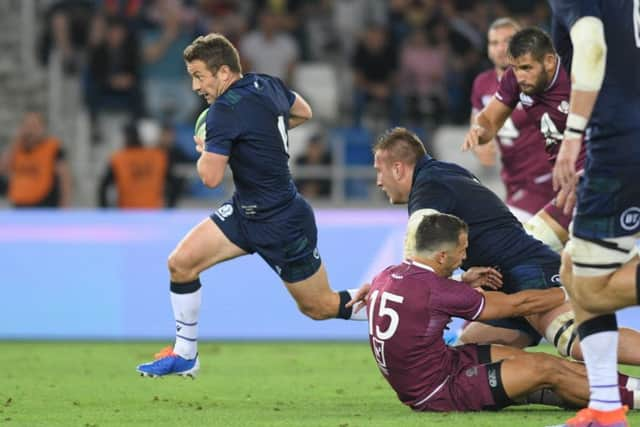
<point>549,61</point>
<point>398,170</point>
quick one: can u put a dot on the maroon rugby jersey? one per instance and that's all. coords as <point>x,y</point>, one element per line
<point>409,308</point>
<point>524,165</point>
<point>548,109</point>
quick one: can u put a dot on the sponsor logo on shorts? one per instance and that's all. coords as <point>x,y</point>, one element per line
<point>630,218</point>
<point>316,253</point>
<point>471,372</point>
<point>278,269</point>
<point>555,278</point>
<point>224,211</point>
<point>492,375</point>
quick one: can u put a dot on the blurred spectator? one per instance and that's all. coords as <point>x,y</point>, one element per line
<point>176,183</point>
<point>38,173</point>
<point>113,81</point>
<point>168,30</point>
<point>375,66</point>
<point>222,16</point>
<point>269,49</point>
<point>66,30</point>
<point>316,154</point>
<point>423,67</point>
<point>139,174</point>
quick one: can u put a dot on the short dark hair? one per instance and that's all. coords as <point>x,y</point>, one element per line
<point>402,144</point>
<point>531,40</point>
<point>438,232</point>
<point>215,50</point>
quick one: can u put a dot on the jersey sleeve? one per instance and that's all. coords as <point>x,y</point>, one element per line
<point>458,299</point>
<point>476,95</point>
<point>222,129</point>
<point>432,195</point>
<point>291,95</point>
<point>508,90</point>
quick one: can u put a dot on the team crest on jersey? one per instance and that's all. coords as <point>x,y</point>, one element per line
<point>630,218</point>
<point>564,107</point>
<point>526,99</point>
<point>224,211</point>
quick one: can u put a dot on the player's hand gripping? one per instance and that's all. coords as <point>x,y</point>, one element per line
<point>486,277</point>
<point>472,138</point>
<point>199,144</point>
<point>360,299</point>
<point>565,177</point>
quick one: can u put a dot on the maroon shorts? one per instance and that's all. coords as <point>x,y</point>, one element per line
<point>557,214</point>
<point>529,200</point>
<point>472,384</point>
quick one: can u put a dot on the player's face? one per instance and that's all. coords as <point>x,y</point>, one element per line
<point>530,73</point>
<point>498,40</point>
<point>387,177</point>
<point>205,83</point>
<point>456,256</point>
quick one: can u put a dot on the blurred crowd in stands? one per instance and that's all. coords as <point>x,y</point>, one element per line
<point>409,62</point>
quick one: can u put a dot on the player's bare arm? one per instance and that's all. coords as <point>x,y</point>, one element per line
<point>300,112</point>
<point>487,124</point>
<point>211,167</point>
<point>487,153</point>
<point>588,69</point>
<point>499,305</point>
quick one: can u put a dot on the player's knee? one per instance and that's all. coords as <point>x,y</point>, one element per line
<point>547,368</point>
<point>179,265</point>
<point>562,333</point>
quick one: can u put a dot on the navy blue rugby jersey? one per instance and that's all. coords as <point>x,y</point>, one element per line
<point>249,123</point>
<point>496,237</point>
<point>617,110</point>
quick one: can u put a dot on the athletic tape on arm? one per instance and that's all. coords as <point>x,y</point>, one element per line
<point>589,54</point>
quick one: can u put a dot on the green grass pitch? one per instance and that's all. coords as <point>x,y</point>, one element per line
<point>89,384</point>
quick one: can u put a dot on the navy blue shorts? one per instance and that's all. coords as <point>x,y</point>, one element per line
<point>287,241</point>
<point>608,202</point>
<point>528,276</point>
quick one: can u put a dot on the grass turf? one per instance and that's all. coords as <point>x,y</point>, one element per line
<point>240,384</point>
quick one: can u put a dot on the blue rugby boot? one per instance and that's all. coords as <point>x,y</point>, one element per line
<point>169,363</point>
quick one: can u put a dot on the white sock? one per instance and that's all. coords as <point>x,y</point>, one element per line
<point>601,358</point>
<point>360,315</point>
<point>186,311</point>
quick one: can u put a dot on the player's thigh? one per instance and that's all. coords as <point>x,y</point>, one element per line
<point>525,373</point>
<point>483,333</point>
<point>203,246</point>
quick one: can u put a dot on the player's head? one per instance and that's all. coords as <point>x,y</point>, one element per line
<point>442,239</point>
<point>213,63</point>
<point>500,32</point>
<point>533,59</point>
<point>395,155</point>
<point>33,128</point>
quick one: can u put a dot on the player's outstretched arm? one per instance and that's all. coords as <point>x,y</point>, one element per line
<point>300,112</point>
<point>487,123</point>
<point>498,305</point>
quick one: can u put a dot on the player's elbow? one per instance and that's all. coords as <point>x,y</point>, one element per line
<point>211,180</point>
